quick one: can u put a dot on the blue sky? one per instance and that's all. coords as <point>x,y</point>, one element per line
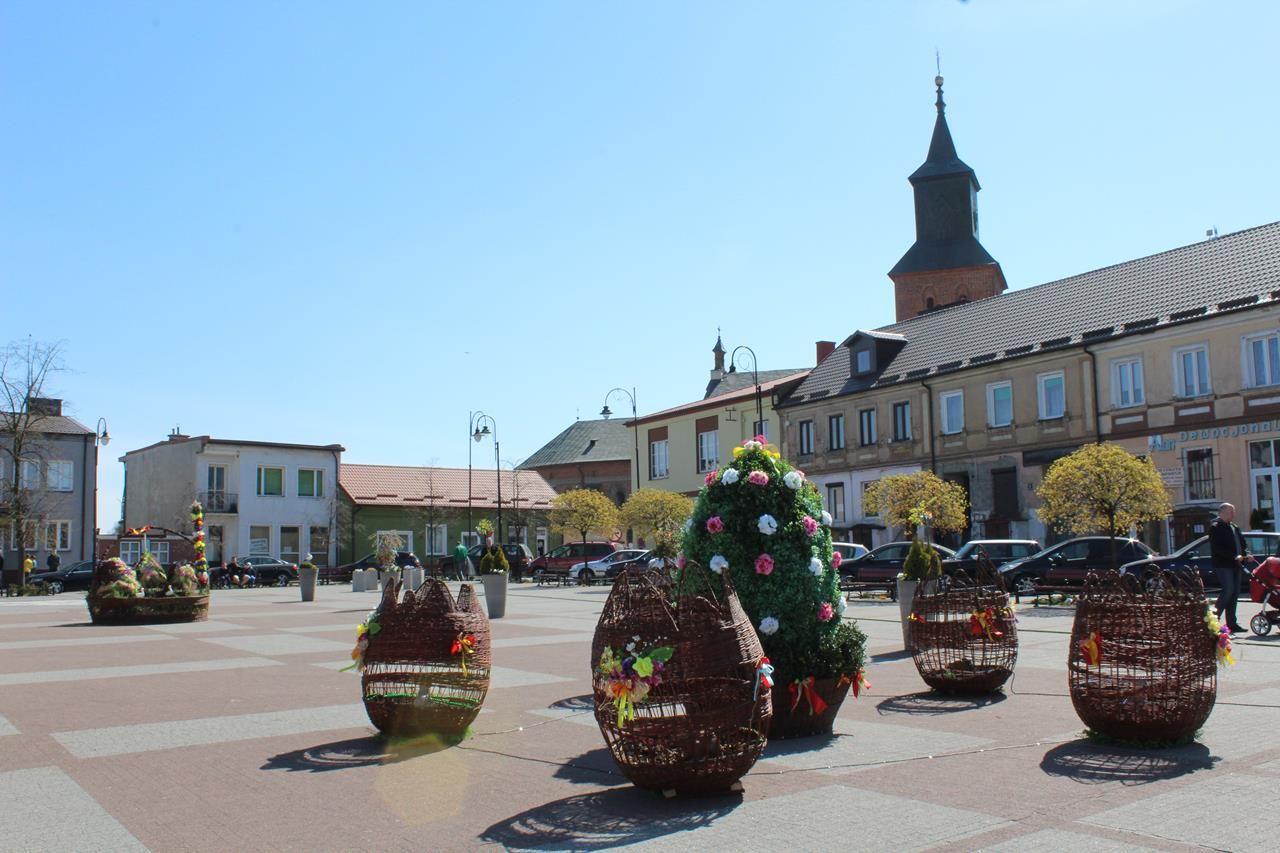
<point>355,223</point>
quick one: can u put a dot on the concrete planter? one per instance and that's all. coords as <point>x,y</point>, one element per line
<point>307,583</point>
<point>906,592</point>
<point>495,594</point>
<point>386,578</point>
<point>412,578</point>
<point>358,580</point>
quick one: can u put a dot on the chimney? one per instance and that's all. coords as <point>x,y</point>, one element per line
<point>46,406</point>
<point>825,348</point>
<point>177,435</point>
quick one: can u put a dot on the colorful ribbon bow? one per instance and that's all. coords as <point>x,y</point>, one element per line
<point>1225,658</point>
<point>1091,648</point>
<point>139,531</point>
<point>465,646</point>
<point>803,689</point>
<point>982,623</point>
<point>764,677</point>
<point>915,617</point>
<point>858,682</point>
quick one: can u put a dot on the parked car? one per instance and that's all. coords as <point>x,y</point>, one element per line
<point>77,575</point>
<point>883,564</point>
<point>589,571</point>
<point>270,571</point>
<point>617,567</point>
<point>1070,562</point>
<point>518,558</point>
<point>342,574</point>
<point>998,551</point>
<point>1195,556</point>
<point>849,550</point>
<point>561,559</point>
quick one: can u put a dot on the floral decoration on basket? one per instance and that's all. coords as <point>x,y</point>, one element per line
<point>630,675</point>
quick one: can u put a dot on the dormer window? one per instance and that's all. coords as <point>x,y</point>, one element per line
<point>862,361</point>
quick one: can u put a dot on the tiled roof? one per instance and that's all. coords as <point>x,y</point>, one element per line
<point>585,441</point>
<point>60,425</point>
<point>718,401</point>
<point>397,485</point>
<point>740,379</point>
<point>1223,274</point>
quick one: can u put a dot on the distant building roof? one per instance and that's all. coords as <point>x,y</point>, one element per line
<point>1215,276</point>
<point>717,401</point>
<point>398,485</point>
<point>204,440</point>
<point>57,425</point>
<point>740,379</point>
<point>599,440</point>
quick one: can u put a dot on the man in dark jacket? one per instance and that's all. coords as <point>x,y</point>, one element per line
<point>1228,552</point>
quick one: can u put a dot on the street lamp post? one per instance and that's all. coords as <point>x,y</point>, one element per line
<point>101,438</point>
<point>635,423</point>
<point>755,376</point>
<point>480,426</point>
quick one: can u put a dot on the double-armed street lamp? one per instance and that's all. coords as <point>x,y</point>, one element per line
<point>635,423</point>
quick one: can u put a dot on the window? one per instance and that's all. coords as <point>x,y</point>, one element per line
<point>58,475</point>
<point>1053,396</point>
<point>1262,354</point>
<point>31,535</point>
<point>541,540</point>
<point>835,432</point>
<point>30,474</point>
<point>259,539</point>
<point>867,427</point>
<point>835,501</point>
<point>437,540</point>
<point>708,450</point>
<point>319,546</point>
<point>867,484</point>
<point>217,479</point>
<point>952,405</point>
<point>760,428</point>
<point>902,421</point>
<point>1126,383</point>
<point>1191,371</point>
<point>130,551</point>
<point>806,438</point>
<point>470,538</point>
<point>57,536</point>
<point>159,550</point>
<point>405,537</point>
<point>999,404</point>
<point>270,481</point>
<point>310,483</point>
<point>520,535</point>
<point>658,460</point>
<point>290,544</point>
<point>1198,466</point>
<point>862,361</point>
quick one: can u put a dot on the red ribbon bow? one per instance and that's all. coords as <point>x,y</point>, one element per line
<point>464,646</point>
<point>803,689</point>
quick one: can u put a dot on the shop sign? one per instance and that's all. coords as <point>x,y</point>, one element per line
<point>1168,442</point>
<point>1172,475</point>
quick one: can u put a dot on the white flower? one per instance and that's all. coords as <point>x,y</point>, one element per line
<point>631,647</point>
<point>656,563</point>
<point>767,524</point>
<point>635,638</point>
<point>793,479</point>
<point>826,518</point>
<point>815,566</point>
<point>842,603</point>
<point>729,477</point>
<point>752,445</point>
<point>719,563</point>
<point>768,626</point>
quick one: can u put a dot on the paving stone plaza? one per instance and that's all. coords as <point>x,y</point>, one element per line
<point>242,733</point>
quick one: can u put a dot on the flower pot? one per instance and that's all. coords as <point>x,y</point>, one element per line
<point>357,580</point>
<point>307,583</point>
<point>386,578</point>
<point>495,594</point>
<point>906,593</point>
<point>796,715</point>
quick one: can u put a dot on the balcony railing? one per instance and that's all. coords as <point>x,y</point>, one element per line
<point>226,502</point>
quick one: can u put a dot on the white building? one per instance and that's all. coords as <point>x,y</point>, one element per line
<point>259,497</point>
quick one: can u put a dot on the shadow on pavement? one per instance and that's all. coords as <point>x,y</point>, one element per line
<point>931,703</point>
<point>356,752</point>
<point>596,767</point>
<point>1092,763</point>
<point>607,819</point>
<point>796,745</point>
<point>884,656</point>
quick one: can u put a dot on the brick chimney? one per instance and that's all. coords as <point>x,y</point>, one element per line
<point>825,348</point>
<point>46,406</point>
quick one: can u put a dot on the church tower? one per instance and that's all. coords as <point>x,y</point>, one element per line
<point>946,265</point>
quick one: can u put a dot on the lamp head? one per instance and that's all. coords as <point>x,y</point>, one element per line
<point>605,412</point>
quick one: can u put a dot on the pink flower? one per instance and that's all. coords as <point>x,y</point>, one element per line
<point>710,478</point>
<point>714,524</point>
<point>836,559</point>
<point>758,478</point>
<point>810,525</point>
<point>764,565</point>
<point>825,612</point>
<point>680,561</point>
<point>761,439</point>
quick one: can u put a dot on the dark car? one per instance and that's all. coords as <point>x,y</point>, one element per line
<point>1195,556</point>
<point>998,551</point>
<point>617,567</point>
<point>342,574</point>
<point>518,559</point>
<point>1069,562</point>
<point>270,571</point>
<point>884,564</point>
<point>561,559</point>
<point>74,576</point>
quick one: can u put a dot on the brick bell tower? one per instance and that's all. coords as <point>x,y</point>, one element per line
<point>946,265</point>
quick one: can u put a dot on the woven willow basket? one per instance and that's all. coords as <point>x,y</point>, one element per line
<point>962,633</point>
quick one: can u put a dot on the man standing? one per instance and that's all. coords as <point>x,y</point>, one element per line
<point>54,562</point>
<point>1227,552</point>
<point>28,566</point>
<point>461,563</point>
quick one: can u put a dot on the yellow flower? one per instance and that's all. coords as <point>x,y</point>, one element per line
<point>738,451</point>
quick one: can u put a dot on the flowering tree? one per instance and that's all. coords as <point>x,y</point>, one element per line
<point>583,511</point>
<point>1102,488</point>
<point>658,514</point>
<point>906,500</point>
<point>763,521</point>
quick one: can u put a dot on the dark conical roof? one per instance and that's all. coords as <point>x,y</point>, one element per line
<point>942,159</point>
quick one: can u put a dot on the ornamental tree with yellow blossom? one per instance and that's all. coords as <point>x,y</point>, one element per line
<point>584,511</point>
<point>1102,488</point>
<point>658,515</point>
<point>906,500</point>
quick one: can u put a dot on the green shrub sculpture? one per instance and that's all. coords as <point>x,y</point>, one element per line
<point>760,519</point>
<point>922,563</point>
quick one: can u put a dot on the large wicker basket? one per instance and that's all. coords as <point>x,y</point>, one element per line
<point>962,633</point>
<point>1142,664</point>
<point>413,682</point>
<point>809,711</point>
<point>703,726</point>
<point>148,611</point>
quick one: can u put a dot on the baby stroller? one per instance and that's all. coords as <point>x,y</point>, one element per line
<point>1264,588</point>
